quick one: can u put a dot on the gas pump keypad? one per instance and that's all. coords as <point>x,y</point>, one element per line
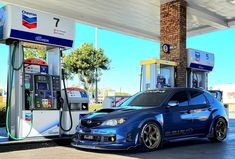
<point>56,83</point>
<point>55,80</point>
<point>43,93</point>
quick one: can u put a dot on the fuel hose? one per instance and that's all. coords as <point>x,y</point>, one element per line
<point>9,96</point>
<point>68,104</point>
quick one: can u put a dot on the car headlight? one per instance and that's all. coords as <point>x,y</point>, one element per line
<point>113,122</point>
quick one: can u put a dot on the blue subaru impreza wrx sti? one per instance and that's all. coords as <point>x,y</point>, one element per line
<point>153,117</point>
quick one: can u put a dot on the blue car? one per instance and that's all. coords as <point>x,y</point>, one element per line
<point>150,118</point>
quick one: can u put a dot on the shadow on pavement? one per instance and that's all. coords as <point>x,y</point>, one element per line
<point>189,149</point>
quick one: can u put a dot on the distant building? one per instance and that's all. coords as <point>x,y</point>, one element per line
<point>228,92</point>
<point>105,92</point>
<point>109,92</point>
<point>228,96</point>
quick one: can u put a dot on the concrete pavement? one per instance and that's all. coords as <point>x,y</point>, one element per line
<point>192,149</point>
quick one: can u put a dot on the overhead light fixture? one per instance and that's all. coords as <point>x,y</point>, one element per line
<point>231,2</point>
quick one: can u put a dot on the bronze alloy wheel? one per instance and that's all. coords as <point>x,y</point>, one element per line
<point>151,136</point>
<point>220,129</point>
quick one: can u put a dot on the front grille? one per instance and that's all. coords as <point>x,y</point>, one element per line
<point>98,138</point>
<point>88,123</point>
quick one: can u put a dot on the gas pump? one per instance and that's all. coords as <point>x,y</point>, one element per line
<point>157,73</point>
<point>199,64</point>
<point>42,98</point>
<point>34,86</point>
<point>78,101</point>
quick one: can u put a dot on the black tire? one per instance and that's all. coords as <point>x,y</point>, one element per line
<point>220,130</point>
<point>150,137</point>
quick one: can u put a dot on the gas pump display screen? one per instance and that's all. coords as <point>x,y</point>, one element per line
<point>42,86</point>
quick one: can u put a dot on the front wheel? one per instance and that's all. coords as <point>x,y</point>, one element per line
<point>220,130</point>
<point>150,136</point>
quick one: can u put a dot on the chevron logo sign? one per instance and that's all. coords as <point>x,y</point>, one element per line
<point>29,20</point>
<point>197,56</point>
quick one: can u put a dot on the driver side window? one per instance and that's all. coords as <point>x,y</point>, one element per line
<point>181,97</point>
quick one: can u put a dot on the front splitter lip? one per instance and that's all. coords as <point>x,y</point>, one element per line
<point>103,147</point>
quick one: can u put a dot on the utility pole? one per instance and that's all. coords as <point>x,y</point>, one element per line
<point>96,69</point>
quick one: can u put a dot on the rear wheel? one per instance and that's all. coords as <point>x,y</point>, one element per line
<point>220,130</point>
<point>150,137</point>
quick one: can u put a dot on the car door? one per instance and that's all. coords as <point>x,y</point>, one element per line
<point>200,110</point>
<point>177,119</point>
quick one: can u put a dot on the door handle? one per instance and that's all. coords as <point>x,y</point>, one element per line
<point>210,109</point>
<point>188,111</point>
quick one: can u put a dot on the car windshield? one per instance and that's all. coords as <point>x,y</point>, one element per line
<point>146,99</point>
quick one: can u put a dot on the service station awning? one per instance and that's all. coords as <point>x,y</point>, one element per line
<point>140,18</point>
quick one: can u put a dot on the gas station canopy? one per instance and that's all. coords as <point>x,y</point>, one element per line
<point>140,18</point>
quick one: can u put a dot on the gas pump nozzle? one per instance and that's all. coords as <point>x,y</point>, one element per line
<point>62,106</point>
<point>61,103</point>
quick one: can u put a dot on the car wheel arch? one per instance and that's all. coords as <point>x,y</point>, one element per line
<point>222,118</point>
<point>148,121</point>
<point>219,116</point>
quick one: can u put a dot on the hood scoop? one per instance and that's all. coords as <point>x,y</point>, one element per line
<point>106,110</point>
<point>112,110</point>
<point>127,110</point>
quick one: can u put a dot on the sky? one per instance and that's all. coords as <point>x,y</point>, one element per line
<point>126,52</point>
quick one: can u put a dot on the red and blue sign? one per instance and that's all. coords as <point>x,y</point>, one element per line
<point>28,117</point>
<point>200,60</point>
<point>29,20</point>
<point>197,56</point>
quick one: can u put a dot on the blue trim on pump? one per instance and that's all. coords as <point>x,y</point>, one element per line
<point>3,135</point>
<point>39,38</point>
<point>201,67</point>
<point>143,77</point>
<point>51,125</point>
<point>153,76</point>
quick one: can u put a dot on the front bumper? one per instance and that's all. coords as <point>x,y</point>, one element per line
<point>114,138</point>
<point>99,146</point>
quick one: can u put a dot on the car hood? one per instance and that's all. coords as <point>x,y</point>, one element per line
<point>113,113</point>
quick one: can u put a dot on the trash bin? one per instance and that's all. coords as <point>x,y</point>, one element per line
<point>226,107</point>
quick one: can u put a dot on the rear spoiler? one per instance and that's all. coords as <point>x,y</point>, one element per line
<point>218,94</point>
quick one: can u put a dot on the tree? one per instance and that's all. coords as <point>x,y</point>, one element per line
<point>34,53</point>
<point>84,62</point>
<point>32,50</point>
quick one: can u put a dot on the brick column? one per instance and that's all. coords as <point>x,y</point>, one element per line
<point>173,32</point>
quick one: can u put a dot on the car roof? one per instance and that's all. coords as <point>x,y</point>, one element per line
<point>175,89</point>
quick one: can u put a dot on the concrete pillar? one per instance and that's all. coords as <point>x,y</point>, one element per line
<point>173,32</point>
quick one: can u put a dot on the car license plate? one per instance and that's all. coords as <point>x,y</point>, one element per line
<point>88,137</point>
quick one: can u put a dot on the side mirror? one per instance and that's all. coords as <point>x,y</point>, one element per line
<point>226,106</point>
<point>173,103</point>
